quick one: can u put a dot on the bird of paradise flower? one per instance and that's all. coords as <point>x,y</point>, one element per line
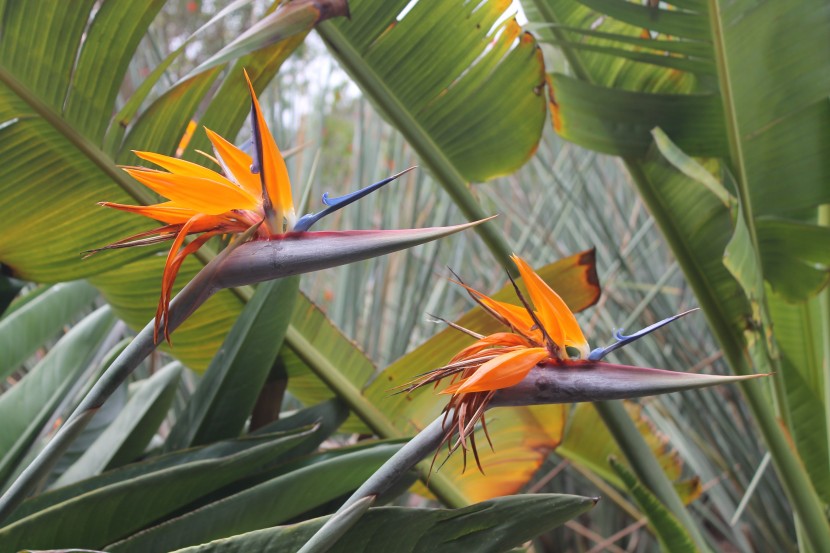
<point>543,331</point>
<point>252,192</point>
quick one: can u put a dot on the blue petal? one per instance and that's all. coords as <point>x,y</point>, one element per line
<point>328,201</point>
<point>256,142</point>
<point>305,222</point>
<point>622,339</point>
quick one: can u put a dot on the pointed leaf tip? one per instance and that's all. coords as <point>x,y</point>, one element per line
<point>295,253</point>
<point>575,382</point>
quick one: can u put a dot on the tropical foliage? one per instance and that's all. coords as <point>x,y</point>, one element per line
<point>272,405</point>
<point>753,247</point>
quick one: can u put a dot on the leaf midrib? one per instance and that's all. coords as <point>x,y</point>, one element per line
<point>89,150</point>
<point>101,160</point>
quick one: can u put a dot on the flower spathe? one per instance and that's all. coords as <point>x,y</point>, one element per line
<point>249,191</point>
<point>541,331</point>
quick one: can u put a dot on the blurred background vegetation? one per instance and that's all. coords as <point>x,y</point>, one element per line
<point>564,200</point>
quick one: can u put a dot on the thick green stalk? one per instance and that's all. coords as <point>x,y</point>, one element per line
<point>422,444</point>
<point>790,469</point>
<point>737,165</point>
<point>645,465</point>
<point>380,424</point>
<point>336,526</point>
<point>824,303</point>
<point>794,479</point>
<point>803,497</point>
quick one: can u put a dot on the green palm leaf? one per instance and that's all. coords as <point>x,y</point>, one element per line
<point>140,500</point>
<point>26,407</point>
<point>773,159</point>
<point>491,526</point>
<point>450,78</point>
<point>53,130</point>
<point>509,134</point>
<point>36,317</point>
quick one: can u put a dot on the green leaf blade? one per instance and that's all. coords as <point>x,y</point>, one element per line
<point>24,330</point>
<point>129,434</point>
<point>131,504</point>
<point>228,391</point>
<point>26,407</point>
<point>673,537</point>
<point>488,527</point>
<point>266,504</point>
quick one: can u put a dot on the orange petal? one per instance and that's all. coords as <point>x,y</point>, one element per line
<point>499,339</point>
<point>554,314</point>
<point>516,316</point>
<point>173,270</point>
<point>502,372</point>
<point>186,137</point>
<point>167,212</point>
<point>196,193</point>
<point>174,262</point>
<point>273,172</point>
<point>181,167</point>
<point>236,163</point>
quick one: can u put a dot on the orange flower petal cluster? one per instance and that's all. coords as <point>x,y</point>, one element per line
<point>204,202</point>
<point>542,331</point>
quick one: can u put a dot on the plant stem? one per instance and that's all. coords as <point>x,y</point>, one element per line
<point>789,467</point>
<point>188,300</point>
<point>645,466</point>
<point>239,264</point>
<point>407,457</point>
<point>440,485</point>
<point>422,444</point>
<point>824,306</point>
<point>794,479</point>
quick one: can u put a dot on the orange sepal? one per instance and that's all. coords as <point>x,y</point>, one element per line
<point>273,171</point>
<point>236,163</point>
<point>553,312</point>
<point>499,339</point>
<point>197,223</point>
<point>181,167</point>
<point>167,212</point>
<point>502,372</point>
<point>199,194</point>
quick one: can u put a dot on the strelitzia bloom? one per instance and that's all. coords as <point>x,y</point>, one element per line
<point>542,331</point>
<point>250,191</point>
